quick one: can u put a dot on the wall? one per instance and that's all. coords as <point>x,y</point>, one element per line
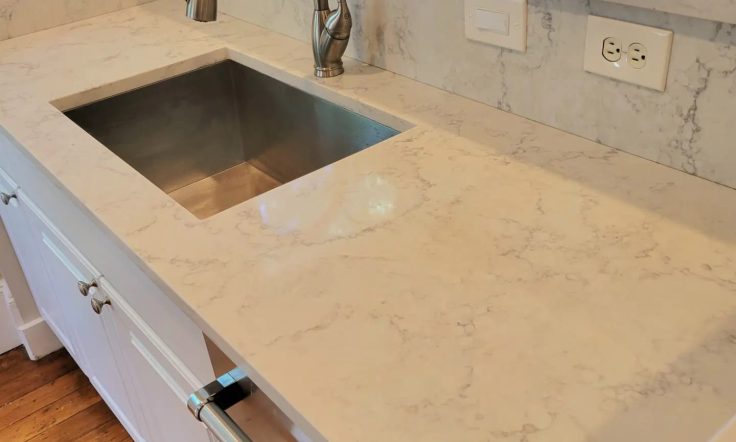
<point>722,10</point>
<point>19,17</point>
<point>692,126</point>
<point>8,334</point>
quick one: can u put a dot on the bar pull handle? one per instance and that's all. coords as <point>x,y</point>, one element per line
<point>209,403</point>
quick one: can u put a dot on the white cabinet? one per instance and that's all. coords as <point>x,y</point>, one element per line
<point>85,332</point>
<point>159,379</point>
<point>12,216</point>
<point>141,352</point>
<point>144,379</point>
<point>15,215</point>
<point>56,302</point>
<point>122,356</point>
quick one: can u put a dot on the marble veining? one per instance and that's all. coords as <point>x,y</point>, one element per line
<point>688,127</point>
<point>19,17</point>
<point>480,277</point>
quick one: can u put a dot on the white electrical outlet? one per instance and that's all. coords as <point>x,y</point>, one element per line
<point>628,52</point>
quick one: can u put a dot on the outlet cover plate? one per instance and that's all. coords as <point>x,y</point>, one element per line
<point>658,43</point>
<point>497,22</point>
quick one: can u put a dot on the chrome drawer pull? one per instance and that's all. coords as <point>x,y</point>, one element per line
<point>85,287</point>
<point>209,403</point>
<point>6,197</point>
<point>97,304</point>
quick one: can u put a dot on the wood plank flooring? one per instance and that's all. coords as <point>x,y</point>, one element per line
<point>52,400</point>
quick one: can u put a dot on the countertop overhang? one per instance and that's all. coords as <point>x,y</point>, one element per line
<point>478,277</point>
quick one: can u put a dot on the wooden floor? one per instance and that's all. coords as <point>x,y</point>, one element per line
<point>51,400</point>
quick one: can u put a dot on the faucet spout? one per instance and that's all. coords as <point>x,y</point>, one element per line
<point>330,32</point>
<point>330,37</point>
<point>202,10</point>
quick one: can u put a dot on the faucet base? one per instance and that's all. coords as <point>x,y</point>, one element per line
<point>329,72</point>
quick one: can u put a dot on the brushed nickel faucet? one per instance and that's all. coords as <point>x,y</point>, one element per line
<point>330,32</point>
<point>330,36</point>
<point>202,10</point>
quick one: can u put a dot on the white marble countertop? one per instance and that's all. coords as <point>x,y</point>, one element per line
<point>478,278</point>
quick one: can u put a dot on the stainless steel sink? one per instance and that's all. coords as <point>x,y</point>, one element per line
<point>220,135</point>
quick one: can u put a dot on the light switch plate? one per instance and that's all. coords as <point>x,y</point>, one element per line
<point>638,54</point>
<point>497,22</point>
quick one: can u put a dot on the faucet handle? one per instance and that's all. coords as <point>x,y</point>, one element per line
<point>340,22</point>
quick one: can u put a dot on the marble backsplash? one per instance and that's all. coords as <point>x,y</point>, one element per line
<point>19,17</point>
<point>691,126</point>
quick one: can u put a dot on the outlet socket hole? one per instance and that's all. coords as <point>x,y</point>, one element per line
<point>637,55</point>
<point>612,49</point>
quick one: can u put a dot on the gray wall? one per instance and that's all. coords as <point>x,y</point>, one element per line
<point>691,126</point>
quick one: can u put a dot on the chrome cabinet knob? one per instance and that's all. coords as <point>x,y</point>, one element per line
<point>98,304</point>
<point>85,287</point>
<point>6,197</point>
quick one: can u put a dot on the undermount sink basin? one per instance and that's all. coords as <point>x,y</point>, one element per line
<point>220,135</point>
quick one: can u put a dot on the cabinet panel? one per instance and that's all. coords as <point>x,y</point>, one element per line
<point>63,276</point>
<point>160,381</point>
<point>22,229</point>
<point>93,352</point>
<point>48,304</point>
<point>163,319</point>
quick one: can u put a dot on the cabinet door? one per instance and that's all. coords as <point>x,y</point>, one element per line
<point>66,267</point>
<point>22,226</point>
<point>159,381</point>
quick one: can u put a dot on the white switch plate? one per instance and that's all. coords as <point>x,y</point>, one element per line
<point>497,22</point>
<point>633,40</point>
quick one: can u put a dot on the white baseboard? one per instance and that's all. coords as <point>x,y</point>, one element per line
<point>38,339</point>
<point>9,338</point>
<point>35,335</point>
